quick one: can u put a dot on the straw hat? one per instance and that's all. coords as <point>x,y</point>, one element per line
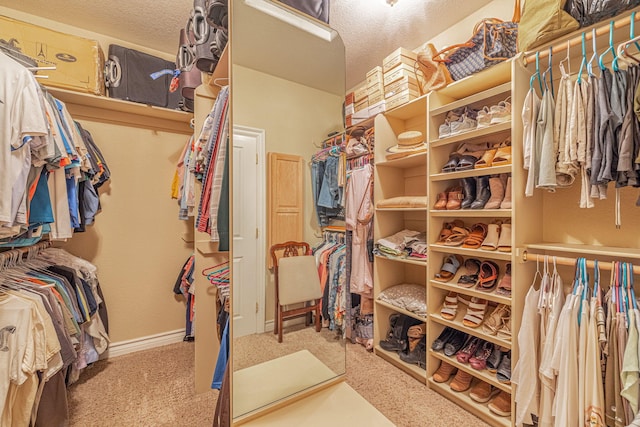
<point>408,142</point>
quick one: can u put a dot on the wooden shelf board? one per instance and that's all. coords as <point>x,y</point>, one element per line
<point>424,209</point>
<point>476,97</point>
<point>586,249</point>
<point>479,253</point>
<point>484,374</point>
<point>493,170</point>
<point>471,135</point>
<point>366,123</point>
<point>401,310</point>
<point>481,410</point>
<point>104,109</point>
<point>453,286</point>
<point>485,79</point>
<point>393,358</point>
<point>403,260</point>
<point>419,159</point>
<point>413,108</point>
<point>221,71</point>
<point>472,213</point>
<point>476,332</point>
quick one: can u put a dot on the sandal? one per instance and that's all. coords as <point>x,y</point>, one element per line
<point>503,154</point>
<point>466,162</point>
<point>495,319</point>
<point>457,236</point>
<point>450,266</point>
<point>475,313</point>
<point>488,278</point>
<point>504,332</point>
<point>504,243</point>
<point>479,360</point>
<point>471,277</point>
<point>452,163</point>
<point>449,308</point>
<point>476,236</point>
<point>490,242</point>
<point>446,230</point>
<point>487,159</point>
<point>469,349</point>
<point>504,287</point>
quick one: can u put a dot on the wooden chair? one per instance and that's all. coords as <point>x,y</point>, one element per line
<point>297,281</point>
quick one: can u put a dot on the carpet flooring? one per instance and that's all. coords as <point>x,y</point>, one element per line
<point>156,388</point>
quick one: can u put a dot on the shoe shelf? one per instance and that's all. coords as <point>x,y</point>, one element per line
<point>403,260</point>
<point>480,410</point>
<point>493,170</point>
<point>471,213</point>
<point>483,375</point>
<point>414,160</point>
<point>413,108</point>
<point>393,358</point>
<point>471,135</point>
<point>401,310</point>
<point>476,253</point>
<point>453,286</point>
<point>477,98</point>
<point>476,332</point>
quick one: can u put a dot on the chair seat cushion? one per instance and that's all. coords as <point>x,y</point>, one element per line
<point>298,280</point>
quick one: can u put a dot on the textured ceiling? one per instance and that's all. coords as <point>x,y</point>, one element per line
<point>371,29</point>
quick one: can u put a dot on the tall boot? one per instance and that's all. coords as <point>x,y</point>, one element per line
<point>395,340</point>
<point>496,187</point>
<point>482,192</point>
<point>506,203</point>
<point>469,189</point>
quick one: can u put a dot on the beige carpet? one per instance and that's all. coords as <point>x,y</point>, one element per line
<point>156,388</point>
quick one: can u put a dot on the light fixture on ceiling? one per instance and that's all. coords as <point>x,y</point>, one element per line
<point>392,2</point>
<point>285,14</point>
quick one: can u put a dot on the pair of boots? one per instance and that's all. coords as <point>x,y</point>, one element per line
<point>397,336</point>
<point>484,192</point>
<point>417,351</point>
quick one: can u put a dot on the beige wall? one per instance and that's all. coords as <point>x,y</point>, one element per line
<point>295,119</point>
<point>136,241</point>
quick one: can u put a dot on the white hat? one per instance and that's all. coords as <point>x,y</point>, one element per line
<point>408,141</point>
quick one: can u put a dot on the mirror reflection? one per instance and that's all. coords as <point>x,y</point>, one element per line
<point>287,95</point>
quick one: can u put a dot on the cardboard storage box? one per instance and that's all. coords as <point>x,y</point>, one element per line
<point>375,88</point>
<point>374,76</point>
<point>361,115</point>
<point>79,62</point>
<point>376,98</point>
<point>398,86</point>
<point>401,98</point>
<point>376,108</point>
<point>349,99</point>
<point>361,105</point>
<point>397,57</point>
<point>402,70</point>
<point>360,93</point>
<point>349,109</point>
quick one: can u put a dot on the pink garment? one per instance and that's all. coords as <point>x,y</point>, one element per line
<point>359,208</point>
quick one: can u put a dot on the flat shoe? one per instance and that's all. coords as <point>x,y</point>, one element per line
<point>488,277</point>
<point>455,343</point>
<point>450,266</point>
<point>470,278</point>
<point>504,287</point>
<point>479,360</point>
<point>445,335</point>
<point>457,236</point>
<point>468,350</point>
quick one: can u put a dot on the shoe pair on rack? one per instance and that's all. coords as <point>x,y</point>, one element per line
<point>397,338</point>
<point>499,322</point>
<point>476,309</point>
<point>460,120</point>
<point>487,192</point>
<point>498,237</point>
<point>478,156</point>
<point>417,346</point>
<point>499,400</point>
<point>496,114</point>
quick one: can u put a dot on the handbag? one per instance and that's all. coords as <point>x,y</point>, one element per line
<point>543,21</point>
<point>588,12</point>
<point>431,74</point>
<point>493,41</point>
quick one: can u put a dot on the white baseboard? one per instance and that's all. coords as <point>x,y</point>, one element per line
<point>144,343</point>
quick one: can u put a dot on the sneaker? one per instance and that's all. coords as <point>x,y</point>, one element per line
<point>445,129</point>
<point>484,117</point>
<point>464,124</point>
<point>501,113</point>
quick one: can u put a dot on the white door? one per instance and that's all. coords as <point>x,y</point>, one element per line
<point>248,220</point>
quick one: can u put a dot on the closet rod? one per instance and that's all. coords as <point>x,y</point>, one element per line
<point>577,40</point>
<point>560,260</point>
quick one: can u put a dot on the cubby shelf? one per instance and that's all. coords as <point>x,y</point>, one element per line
<point>481,410</point>
<point>476,253</point>
<point>493,170</point>
<point>454,287</point>
<point>393,358</point>
<point>483,375</point>
<point>403,260</point>
<point>472,99</point>
<point>401,310</point>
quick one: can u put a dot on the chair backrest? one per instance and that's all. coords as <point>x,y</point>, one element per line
<point>295,272</point>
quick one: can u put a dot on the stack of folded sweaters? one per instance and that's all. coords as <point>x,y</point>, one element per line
<point>403,244</point>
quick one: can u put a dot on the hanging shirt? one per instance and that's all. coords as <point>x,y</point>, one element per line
<point>529,121</point>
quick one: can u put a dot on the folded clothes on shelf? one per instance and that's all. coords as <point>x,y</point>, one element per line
<point>403,244</point>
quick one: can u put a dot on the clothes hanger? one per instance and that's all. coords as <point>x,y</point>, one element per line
<point>609,49</point>
<point>594,46</point>
<point>536,74</point>
<point>583,62</point>
<point>549,70</point>
<point>623,47</point>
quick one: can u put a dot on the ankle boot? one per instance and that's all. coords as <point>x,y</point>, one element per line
<point>506,203</point>
<point>469,189</point>
<point>394,341</point>
<point>482,193</point>
<point>417,355</point>
<point>496,188</point>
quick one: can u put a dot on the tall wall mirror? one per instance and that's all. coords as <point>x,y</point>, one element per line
<point>287,93</point>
